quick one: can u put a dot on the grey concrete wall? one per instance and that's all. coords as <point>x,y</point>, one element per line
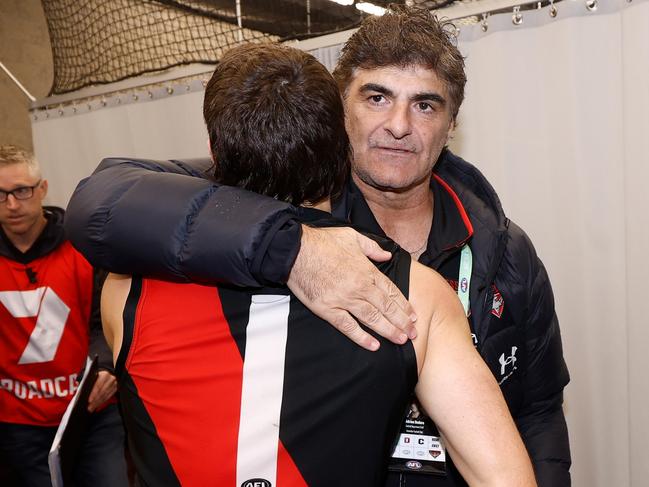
<point>25,51</point>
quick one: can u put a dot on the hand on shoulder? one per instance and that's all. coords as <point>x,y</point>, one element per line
<point>334,278</point>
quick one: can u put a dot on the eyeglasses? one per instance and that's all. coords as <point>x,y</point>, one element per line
<point>22,193</point>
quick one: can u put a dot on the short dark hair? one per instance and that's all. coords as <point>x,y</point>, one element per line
<point>276,123</point>
<point>405,36</point>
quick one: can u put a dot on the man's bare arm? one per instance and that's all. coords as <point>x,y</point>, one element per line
<point>461,395</point>
<point>113,300</point>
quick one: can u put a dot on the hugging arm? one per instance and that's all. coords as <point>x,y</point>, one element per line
<point>167,219</point>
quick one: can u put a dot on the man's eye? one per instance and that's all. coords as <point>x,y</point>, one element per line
<point>376,98</point>
<point>424,106</point>
<point>21,191</point>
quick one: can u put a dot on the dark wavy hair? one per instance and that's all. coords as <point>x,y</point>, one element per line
<point>276,123</point>
<point>405,36</point>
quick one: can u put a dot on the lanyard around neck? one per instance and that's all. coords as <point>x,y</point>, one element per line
<point>464,277</point>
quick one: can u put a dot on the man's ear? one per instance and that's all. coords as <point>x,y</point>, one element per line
<point>451,131</point>
<point>44,187</point>
<point>209,149</point>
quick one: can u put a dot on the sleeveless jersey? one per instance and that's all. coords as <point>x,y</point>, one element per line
<point>231,387</point>
<point>44,316</point>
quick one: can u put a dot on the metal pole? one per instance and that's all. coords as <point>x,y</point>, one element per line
<point>239,21</point>
<point>13,78</point>
<point>308,16</point>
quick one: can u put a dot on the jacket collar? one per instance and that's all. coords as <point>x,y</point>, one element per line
<point>451,225</point>
<point>481,207</point>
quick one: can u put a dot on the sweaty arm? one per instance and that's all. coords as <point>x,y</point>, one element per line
<point>460,394</point>
<point>113,301</point>
<point>166,219</point>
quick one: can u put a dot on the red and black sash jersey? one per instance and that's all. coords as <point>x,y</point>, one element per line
<point>44,313</point>
<point>225,387</point>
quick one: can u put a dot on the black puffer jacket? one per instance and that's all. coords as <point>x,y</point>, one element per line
<point>114,220</point>
<point>139,216</point>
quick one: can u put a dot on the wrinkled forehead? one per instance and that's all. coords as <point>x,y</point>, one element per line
<point>390,71</point>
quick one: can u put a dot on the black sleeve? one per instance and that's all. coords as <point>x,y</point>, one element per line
<point>544,431</point>
<point>167,219</point>
<point>98,345</point>
<point>540,420</point>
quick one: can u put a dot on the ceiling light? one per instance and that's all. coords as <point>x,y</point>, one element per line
<point>370,8</point>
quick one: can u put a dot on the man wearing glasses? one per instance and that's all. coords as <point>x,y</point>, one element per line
<point>46,309</point>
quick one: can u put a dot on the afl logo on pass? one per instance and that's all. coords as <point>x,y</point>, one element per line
<point>413,465</point>
<point>256,483</point>
<point>464,284</point>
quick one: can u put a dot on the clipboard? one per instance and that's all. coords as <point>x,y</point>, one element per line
<point>71,432</point>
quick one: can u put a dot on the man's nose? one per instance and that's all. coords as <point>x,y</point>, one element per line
<point>12,202</point>
<point>399,122</point>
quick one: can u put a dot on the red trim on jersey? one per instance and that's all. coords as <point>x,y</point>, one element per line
<point>458,203</point>
<point>288,474</point>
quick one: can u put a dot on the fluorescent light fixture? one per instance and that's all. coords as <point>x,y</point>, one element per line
<point>343,2</point>
<point>370,8</point>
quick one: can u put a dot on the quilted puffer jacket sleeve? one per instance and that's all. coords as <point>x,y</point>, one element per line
<point>166,219</point>
<point>540,419</point>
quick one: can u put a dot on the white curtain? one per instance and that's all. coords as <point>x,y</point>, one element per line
<point>557,117</point>
<point>70,146</point>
